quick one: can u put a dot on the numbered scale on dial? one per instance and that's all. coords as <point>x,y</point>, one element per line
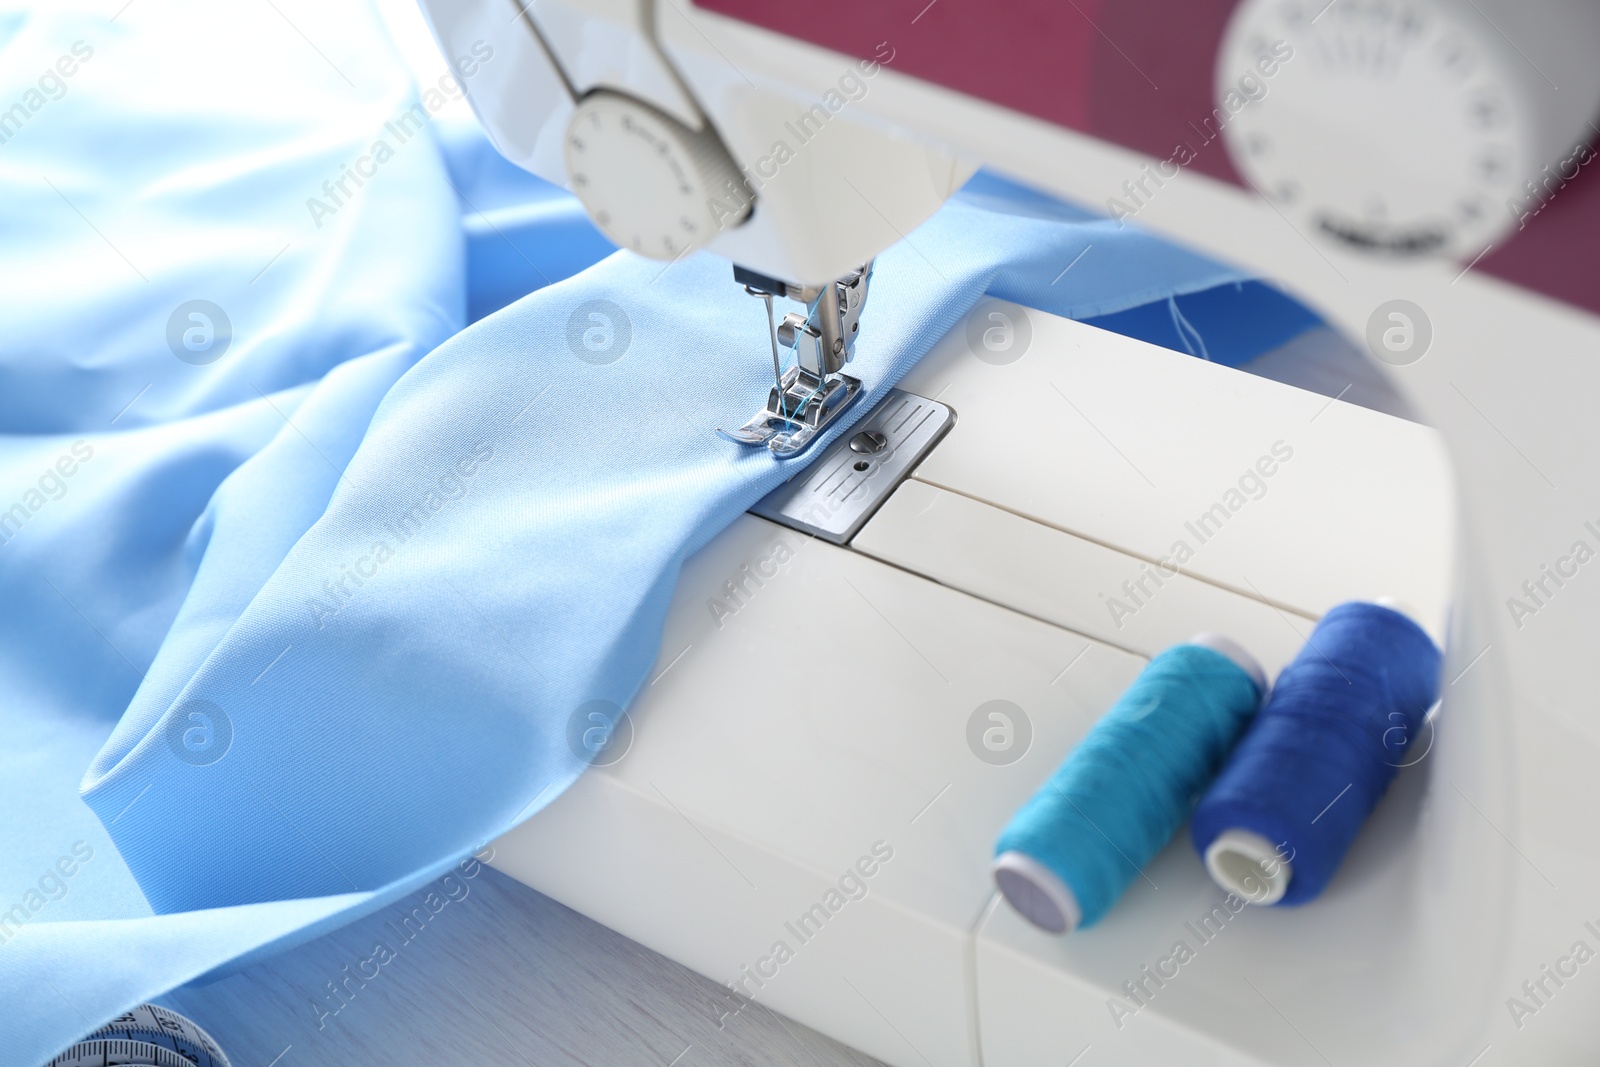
<point>1408,127</point>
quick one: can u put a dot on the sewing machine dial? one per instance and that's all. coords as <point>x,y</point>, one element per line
<point>648,181</point>
<point>1400,128</point>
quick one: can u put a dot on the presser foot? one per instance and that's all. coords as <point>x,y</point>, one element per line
<point>797,413</point>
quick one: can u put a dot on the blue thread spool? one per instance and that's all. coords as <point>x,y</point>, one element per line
<point>1278,820</point>
<point>1121,794</point>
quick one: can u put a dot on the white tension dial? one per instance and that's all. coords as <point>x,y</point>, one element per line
<point>1411,127</point>
<point>648,181</point>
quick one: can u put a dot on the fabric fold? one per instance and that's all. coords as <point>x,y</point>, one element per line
<point>315,614</point>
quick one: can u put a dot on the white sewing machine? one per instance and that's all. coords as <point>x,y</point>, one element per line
<point>1410,170</point>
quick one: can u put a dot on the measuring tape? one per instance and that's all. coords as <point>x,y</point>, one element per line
<point>147,1036</point>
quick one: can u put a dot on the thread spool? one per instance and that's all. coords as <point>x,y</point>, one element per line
<point>1275,825</point>
<point>1121,794</point>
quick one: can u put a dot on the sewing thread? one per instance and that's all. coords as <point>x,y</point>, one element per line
<point>1323,749</point>
<point>1126,788</point>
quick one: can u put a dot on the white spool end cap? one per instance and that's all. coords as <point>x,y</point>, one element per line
<point>1246,865</point>
<point>1227,646</point>
<point>1036,893</point>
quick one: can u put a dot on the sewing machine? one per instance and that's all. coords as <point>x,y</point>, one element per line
<point>1410,171</point>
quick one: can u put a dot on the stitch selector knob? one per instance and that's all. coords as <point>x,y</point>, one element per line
<point>650,183</point>
<point>1412,127</point>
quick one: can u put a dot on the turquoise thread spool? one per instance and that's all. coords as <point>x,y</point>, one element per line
<point>1123,791</point>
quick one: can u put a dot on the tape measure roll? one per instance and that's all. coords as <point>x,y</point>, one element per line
<point>147,1036</point>
<point>118,1053</point>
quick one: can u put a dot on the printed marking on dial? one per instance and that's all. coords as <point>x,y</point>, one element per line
<point>649,182</point>
<point>147,1036</point>
<point>1398,129</point>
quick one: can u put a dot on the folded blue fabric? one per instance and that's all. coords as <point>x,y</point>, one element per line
<point>314,611</point>
<point>1231,324</point>
<point>522,232</point>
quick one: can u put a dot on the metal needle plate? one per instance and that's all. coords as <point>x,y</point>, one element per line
<point>835,496</point>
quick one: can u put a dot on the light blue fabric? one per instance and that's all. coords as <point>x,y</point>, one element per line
<point>362,722</point>
<point>522,232</point>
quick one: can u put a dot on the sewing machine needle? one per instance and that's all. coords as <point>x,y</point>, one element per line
<point>777,368</point>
